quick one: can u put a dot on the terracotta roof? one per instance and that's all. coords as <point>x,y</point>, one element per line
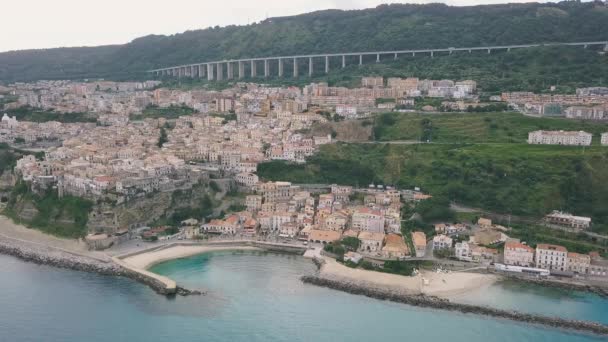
<point>551,247</point>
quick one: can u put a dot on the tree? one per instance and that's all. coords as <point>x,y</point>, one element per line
<point>436,208</point>
<point>162,139</point>
<point>351,243</point>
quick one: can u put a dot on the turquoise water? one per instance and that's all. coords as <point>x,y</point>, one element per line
<point>252,297</point>
<point>512,295</point>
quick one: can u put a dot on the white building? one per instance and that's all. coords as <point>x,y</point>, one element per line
<point>576,138</point>
<point>9,122</point>
<point>441,242</point>
<point>551,257</point>
<point>604,140</point>
<point>366,219</point>
<point>518,254</point>
<point>347,111</point>
<point>462,251</point>
<point>247,179</point>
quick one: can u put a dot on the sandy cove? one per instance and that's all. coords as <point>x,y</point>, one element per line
<point>444,285</point>
<point>146,260</point>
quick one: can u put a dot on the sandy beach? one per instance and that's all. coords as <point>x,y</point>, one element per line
<point>146,260</point>
<point>430,283</point>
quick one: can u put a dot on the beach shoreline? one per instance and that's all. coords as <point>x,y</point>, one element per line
<point>147,259</point>
<point>444,285</point>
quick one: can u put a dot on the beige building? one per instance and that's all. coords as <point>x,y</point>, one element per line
<point>568,220</point>
<point>419,240</point>
<point>395,247</point>
<point>371,242</point>
<point>253,202</point>
<point>371,82</point>
<point>578,263</point>
<point>518,254</point>
<point>323,236</point>
<point>551,257</point>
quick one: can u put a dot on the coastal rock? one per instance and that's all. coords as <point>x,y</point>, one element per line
<point>61,259</point>
<point>444,304</point>
<point>186,292</point>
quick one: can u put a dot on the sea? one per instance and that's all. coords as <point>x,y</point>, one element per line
<point>257,296</point>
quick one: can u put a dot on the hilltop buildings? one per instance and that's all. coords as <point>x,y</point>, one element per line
<point>560,138</point>
<point>568,220</point>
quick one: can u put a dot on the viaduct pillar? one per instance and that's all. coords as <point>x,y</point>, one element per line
<point>326,64</point>
<point>253,69</point>
<point>220,71</point>
<point>209,72</point>
<point>295,67</point>
<point>310,67</point>
<point>241,69</point>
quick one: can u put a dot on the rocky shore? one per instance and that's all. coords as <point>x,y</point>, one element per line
<point>62,259</point>
<point>444,304</point>
<point>565,285</point>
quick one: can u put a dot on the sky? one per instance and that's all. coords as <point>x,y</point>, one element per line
<point>38,24</point>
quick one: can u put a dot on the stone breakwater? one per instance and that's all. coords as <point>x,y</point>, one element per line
<point>564,285</point>
<point>62,259</point>
<point>444,304</point>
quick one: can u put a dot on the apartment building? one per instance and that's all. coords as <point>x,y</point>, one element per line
<point>574,138</point>
<point>551,257</point>
<point>518,254</point>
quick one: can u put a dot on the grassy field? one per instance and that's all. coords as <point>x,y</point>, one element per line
<point>521,179</point>
<point>474,127</point>
<point>154,112</point>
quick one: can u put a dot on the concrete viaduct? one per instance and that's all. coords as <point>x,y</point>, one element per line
<point>229,69</point>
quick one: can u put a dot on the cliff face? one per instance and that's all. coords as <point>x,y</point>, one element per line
<point>75,217</point>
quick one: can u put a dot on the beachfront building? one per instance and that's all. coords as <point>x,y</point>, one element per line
<point>568,220</point>
<point>551,257</point>
<point>578,263</point>
<point>483,254</point>
<point>323,236</point>
<point>442,242</point>
<point>419,240</point>
<point>576,138</point>
<point>462,251</point>
<point>395,247</point>
<point>371,242</point>
<point>518,254</point>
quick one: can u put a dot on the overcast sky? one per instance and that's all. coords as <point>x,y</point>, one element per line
<point>32,24</point>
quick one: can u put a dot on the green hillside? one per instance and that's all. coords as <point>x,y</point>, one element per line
<point>503,176</point>
<point>474,127</point>
<point>385,27</point>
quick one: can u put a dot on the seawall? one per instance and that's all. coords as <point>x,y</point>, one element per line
<point>45,255</point>
<point>444,304</point>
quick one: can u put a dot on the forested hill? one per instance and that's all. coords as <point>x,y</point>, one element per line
<point>385,27</point>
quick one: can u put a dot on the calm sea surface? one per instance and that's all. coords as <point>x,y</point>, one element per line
<point>253,296</point>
